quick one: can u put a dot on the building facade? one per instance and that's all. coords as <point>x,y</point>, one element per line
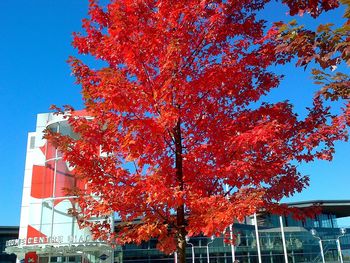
<point>49,233</point>
<point>301,245</point>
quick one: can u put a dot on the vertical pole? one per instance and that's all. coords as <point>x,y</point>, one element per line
<point>339,251</point>
<point>248,253</point>
<point>284,241</point>
<point>192,254</point>
<point>192,249</point>
<point>175,257</point>
<point>231,232</point>
<point>322,253</point>
<point>208,258</point>
<point>200,254</point>
<point>148,253</point>
<point>232,245</point>
<point>257,238</point>
<point>112,230</point>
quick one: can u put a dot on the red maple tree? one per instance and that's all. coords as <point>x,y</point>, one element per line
<point>177,115</point>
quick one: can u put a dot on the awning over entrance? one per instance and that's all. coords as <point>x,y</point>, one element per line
<point>60,249</point>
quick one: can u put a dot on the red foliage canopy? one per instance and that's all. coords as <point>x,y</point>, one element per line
<point>177,115</point>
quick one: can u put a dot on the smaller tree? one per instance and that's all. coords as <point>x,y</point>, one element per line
<point>177,116</point>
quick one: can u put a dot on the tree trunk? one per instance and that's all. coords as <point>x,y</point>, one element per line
<point>181,247</point>
<point>180,210</point>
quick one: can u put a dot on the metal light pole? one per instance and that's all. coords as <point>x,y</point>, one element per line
<point>314,234</point>
<point>232,245</point>
<point>231,231</point>
<point>342,233</point>
<point>283,241</point>
<point>188,239</point>
<point>212,240</point>
<point>257,238</point>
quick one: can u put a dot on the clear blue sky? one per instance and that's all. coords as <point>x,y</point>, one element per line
<point>35,39</point>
